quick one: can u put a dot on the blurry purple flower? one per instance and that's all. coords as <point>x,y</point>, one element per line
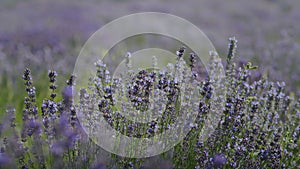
<point>219,160</point>
<point>4,159</point>
<point>68,92</point>
<point>58,148</point>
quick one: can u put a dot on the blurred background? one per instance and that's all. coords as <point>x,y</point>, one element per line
<point>48,34</point>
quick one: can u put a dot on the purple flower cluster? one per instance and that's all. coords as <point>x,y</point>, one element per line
<point>259,125</point>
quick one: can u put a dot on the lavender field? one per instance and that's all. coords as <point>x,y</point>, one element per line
<point>267,30</point>
<point>258,43</point>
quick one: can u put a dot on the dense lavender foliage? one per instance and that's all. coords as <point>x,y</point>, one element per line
<point>259,126</point>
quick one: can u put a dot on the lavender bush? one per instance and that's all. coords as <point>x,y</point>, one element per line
<point>259,126</point>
